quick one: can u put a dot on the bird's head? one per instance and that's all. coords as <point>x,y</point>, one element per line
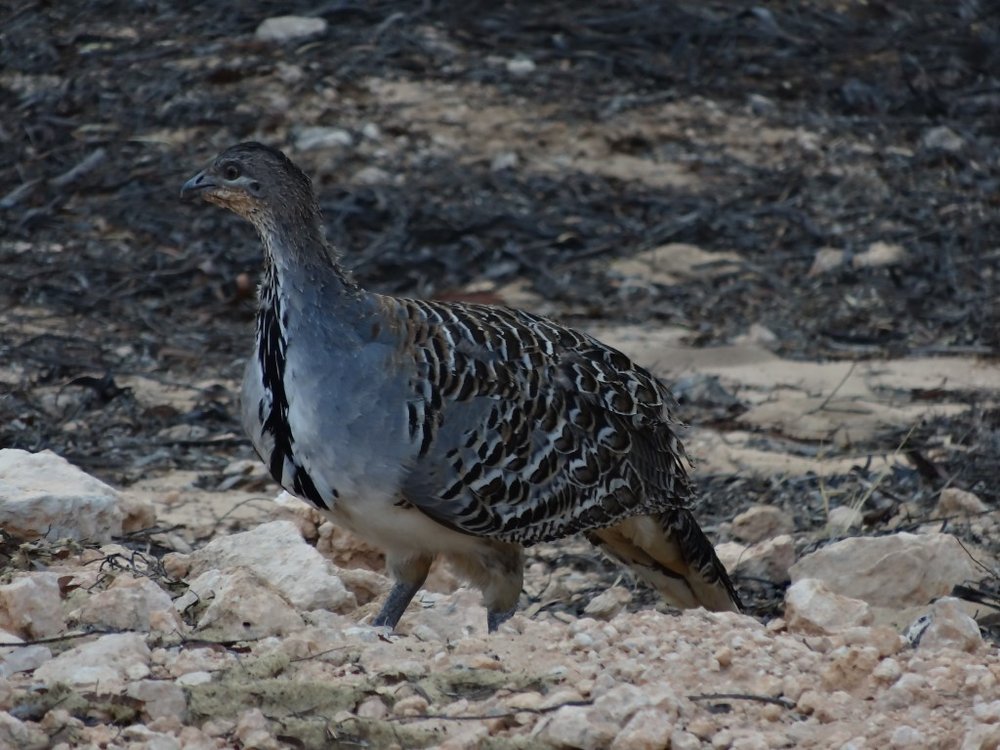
<point>257,182</point>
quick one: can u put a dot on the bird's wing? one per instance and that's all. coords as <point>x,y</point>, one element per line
<point>528,431</point>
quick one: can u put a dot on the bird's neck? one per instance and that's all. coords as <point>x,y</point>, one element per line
<point>299,264</point>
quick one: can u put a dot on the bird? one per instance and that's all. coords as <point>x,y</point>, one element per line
<point>444,428</point>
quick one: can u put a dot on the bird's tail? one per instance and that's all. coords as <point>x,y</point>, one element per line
<point>670,552</point>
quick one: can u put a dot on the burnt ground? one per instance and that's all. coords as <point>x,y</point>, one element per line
<point>489,144</point>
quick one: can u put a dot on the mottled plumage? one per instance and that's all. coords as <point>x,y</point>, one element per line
<point>447,428</point>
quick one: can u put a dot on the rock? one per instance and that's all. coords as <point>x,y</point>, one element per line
<point>371,175</point>
<point>278,554</point>
<point>137,513</point>
<point>761,522</point>
<point>906,736</point>
<point>132,604</point>
<point>844,517</point>
<point>770,559</point>
<point>879,254</point>
<point>521,66</point>
<point>20,658</point>
<point>731,554</point>
<point>982,737</point>
<point>811,607</point>
<point>31,606</point>
<point>950,627</point>
<point>648,729</point>
<point>242,606</point>
<point>110,662</point>
<point>161,698</point>
<point>252,731</point>
<point>897,571</point>
<point>571,727</point>
<point>942,138</point>
<point>307,139</point>
<point>45,495</point>
<point>618,704</point>
<point>608,603</point>
<point>956,502</point>
<point>137,735</point>
<point>23,736</point>
<point>826,259</point>
<point>285,28</point>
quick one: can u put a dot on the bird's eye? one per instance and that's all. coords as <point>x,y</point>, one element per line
<point>231,172</point>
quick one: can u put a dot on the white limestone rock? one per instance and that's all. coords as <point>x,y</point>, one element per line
<point>956,502</point>
<point>242,606</point>
<point>278,554</point>
<point>761,522</point>
<point>572,727</point>
<point>30,606</point>
<point>897,571</point>
<point>770,559</point>
<point>110,661</point>
<point>132,604</point>
<point>22,735</point>
<point>811,607</point>
<point>285,28</point>
<point>45,495</point>
<point>844,517</point>
<point>950,627</point>
<point>16,659</point>
<point>648,729</point>
<point>316,137</point>
<point>608,603</point>
<point>161,698</point>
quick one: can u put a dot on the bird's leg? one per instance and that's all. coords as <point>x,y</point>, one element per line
<point>396,603</point>
<point>495,619</point>
<point>410,574</point>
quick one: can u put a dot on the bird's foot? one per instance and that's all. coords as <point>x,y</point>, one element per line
<point>399,598</point>
<point>495,619</point>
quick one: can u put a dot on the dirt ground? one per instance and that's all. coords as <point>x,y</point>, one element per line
<point>790,211</point>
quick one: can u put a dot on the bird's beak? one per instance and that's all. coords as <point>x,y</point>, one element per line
<point>196,184</point>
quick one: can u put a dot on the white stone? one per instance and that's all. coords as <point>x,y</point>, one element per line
<point>619,703</point>
<point>608,603</point>
<point>160,698</point>
<point>138,736</point>
<point>826,260</point>
<point>307,139</point>
<point>898,571</point>
<point>811,607</point>
<point>137,513</point>
<point>942,138</point>
<point>681,740</point>
<point>907,737</point>
<point>950,627</point>
<point>571,727</point>
<point>20,658</point>
<point>132,604</point>
<point>956,502</point>
<point>284,28</point>
<point>30,606</point>
<point>761,522</point>
<point>770,559</point>
<point>15,733</point>
<point>879,254</point>
<point>521,66</point>
<point>242,607</point>
<point>110,661</point>
<point>45,495</point>
<point>844,517</point>
<point>190,679</point>
<point>648,729</point>
<point>278,554</point>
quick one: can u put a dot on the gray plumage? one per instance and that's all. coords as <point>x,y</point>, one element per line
<point>447,428</point>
